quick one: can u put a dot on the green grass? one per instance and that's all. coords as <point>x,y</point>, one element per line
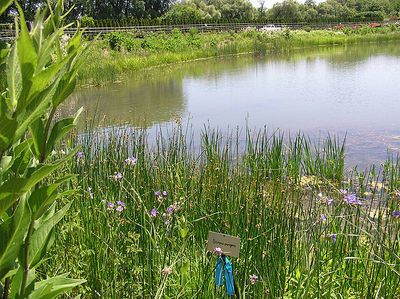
<point>268,189</point>
<point>120,55</point>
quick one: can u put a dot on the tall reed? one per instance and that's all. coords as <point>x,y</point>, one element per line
<point>289,199</point>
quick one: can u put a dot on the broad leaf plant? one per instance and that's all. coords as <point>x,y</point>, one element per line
<point>41,68</point>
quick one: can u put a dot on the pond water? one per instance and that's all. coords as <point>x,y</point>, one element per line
<point>351,90</point>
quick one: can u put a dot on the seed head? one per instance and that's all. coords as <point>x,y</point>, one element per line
<point>166,271</point>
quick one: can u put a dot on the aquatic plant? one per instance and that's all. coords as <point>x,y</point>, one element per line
<point>281,195</point>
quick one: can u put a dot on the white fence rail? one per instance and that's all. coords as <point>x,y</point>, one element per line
<point>7,31</point>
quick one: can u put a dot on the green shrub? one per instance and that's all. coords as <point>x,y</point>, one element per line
<point>193,31</point>
<point>119,41</point>
<point>307,28</point>
<point>87,21</point>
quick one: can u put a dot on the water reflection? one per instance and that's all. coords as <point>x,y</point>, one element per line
<point>346,90</point>
<point>138,102</point>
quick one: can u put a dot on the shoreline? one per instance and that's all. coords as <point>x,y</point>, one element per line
<point>114,66</point>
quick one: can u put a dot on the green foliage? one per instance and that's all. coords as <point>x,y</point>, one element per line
<point>41,70</point>
<point>120,41</point>
<point>184,13</point>
<point>87,21</point>
<point>174,42</point>
<point>269,189</point>
<point>134,52</point>
<point>156,12</point>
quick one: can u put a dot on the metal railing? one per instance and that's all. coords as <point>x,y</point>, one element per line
<point>7,31</point>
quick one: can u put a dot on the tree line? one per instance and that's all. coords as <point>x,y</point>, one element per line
<point>151,12</point>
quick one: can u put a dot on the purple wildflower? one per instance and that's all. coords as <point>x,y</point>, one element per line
<point>153,213</point>
<point>396,214</point>
<point>351,199</point>
<point>323,217</point>
<point>334,238</point>
<point>253,279</point>
<point>117,176</point>
<point>164,194</point>
<point>110,206</point>
<point>120,203</point>
<point>170,210</point>
<point>80,157</point>
<point>157,193</point>
<point>217,251</point>
<point>131,161</point>
<point>343,191</point>
<point>119,208</point>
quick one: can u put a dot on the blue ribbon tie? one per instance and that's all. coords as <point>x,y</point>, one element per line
<point>223,262</point>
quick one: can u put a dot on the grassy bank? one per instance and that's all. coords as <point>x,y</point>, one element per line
<point>307,229</point>
<point>122,54</point>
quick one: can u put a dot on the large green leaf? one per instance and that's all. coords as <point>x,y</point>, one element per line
<point>12,189</point>
<point>39,107</point>
<point>27,59</point>
<point>22,157</point>
<point>47,48</point>
<point>7,131</point>
<point>14,79</point>
<point>5,164</point>
<point>45,77</point>
<point>65,88</point>
<point>4,4</point>
<point>12,233</point>
<point>16,284</point>
<point>3,55</point>
<point>42,198</point>
<point>52,287</point>
<point>37,132</point>
<point>42,238</point>
<point>7,127</point>
<point>60,129</point>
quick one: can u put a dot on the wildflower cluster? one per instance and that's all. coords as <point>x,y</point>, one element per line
<point>160,195</point>
<point>352,199</point>
<point>168,214</point>
<point>118,206</point>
